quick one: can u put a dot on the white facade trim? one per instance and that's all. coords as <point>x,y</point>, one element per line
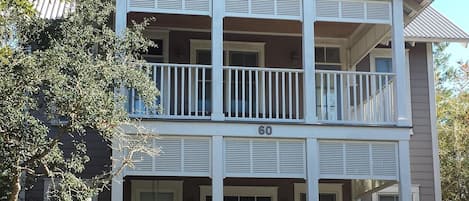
<point>405,184</point>
<point>258,47</point>
<point>329,188</point>
<point>399,65</point>
<point>161,186</point>
<point>312,168</point>
<point>309,80</point>
<point>217,168</point>
<point>433,122</point>
<point>278,130</point>
<point>255,191</point>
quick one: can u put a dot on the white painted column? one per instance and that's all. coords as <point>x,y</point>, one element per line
<point>217,168</point>
<point>433,120</point>
<point>312,167</point>
<point>405,183</point>
<point>117,185</point>
<point>218,9</point>
<point>309,81</point>
<point>399,65</point>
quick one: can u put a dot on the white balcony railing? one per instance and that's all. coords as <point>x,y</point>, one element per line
<point>259,94</point>
<point>185,92</point>
<point>355,97</point>
<point>269,94</point>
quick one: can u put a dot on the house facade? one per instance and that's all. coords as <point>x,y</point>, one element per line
<point>287,100</point>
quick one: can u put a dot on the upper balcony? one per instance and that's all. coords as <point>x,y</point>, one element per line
<point>275,60</point>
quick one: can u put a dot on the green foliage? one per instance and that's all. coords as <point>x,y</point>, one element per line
<point>73,71</point>
<point>453,126</point>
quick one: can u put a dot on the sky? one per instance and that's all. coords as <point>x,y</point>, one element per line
<point>456,11</point>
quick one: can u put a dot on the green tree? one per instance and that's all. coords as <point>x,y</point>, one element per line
<point>70,69</point>
<point>452,84</point>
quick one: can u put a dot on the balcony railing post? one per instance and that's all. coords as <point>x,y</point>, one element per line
<point>399,65</point>
<point>218,9</point>
<point>309,104</point>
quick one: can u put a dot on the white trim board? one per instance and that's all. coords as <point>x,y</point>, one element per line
<point>434,131</point>
<point>194,128</point>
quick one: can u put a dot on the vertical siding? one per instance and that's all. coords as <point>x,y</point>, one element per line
<point>421,141</point>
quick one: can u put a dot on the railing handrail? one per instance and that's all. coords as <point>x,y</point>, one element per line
<point>354,72</point>
<point>273,69</point>
<point>181,65</point>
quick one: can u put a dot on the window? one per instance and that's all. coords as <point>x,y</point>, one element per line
<point>388,198</point>
<point>327,58</point>
<point>245,54</point>
<point>392,193</point>
<point>327,192</point>
<point>156,190</point>
<point>242,193</point>
<point>157,54</point>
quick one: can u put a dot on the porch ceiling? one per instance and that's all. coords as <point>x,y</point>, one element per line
<point>203,23</point>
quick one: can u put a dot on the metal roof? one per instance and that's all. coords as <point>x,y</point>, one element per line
<point>428,26</point>
<point>53,9</point>
<point>432,26</point>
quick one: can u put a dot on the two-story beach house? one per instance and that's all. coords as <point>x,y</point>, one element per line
<point>287,100</point>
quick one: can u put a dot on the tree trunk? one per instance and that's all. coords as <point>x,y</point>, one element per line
<point>15,186</point>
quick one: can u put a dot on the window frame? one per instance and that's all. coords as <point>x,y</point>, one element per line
<point>165,186</point>
<point>241,191</point>
<point>240,46</point>
<point>324,188</point>
<point>394,190</point>
<point>158,34</point>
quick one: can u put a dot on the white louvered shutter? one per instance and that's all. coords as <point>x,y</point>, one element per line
<point>170,4</point>
<point>331,158</point>
<point>384,159</point>
<point>357,159</point>
<point>237,156</point>
<point>236,6</point>
<point>292,157</point>
<point>142,3</point>
<point>264,156</point>
<point>262,7</point>
<point>197,5</point>
<point>326,8</point>
<point>289,7</point>
<point>196,155</point>
<point>378,11</point>
<point>354,10</point>
<point>170,155</point>
<point>142,162</point>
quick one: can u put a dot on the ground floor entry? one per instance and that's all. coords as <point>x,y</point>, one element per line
<point>235,189</point>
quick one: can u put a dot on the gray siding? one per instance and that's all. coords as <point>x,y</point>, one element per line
<point>421,142</point>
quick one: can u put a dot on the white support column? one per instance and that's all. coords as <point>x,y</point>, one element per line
<point>312,167</point>
<point>309,81</point>
<point>405,183</point>
<point>121,16</point>
<point>217,168</point>
<point>399,65</point>
<point>218,9</point>
<point>117,185</point>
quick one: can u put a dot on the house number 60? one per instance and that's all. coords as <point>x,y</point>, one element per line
<point>264,130</point>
